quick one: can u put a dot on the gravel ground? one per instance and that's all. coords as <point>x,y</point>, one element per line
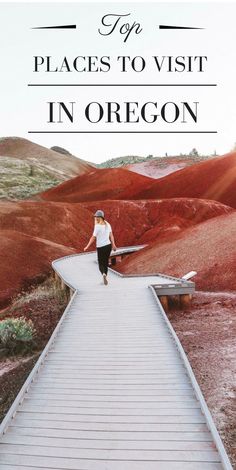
<point>207,332</point>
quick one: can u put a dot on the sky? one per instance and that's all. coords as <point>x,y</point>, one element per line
<point>25,108</point>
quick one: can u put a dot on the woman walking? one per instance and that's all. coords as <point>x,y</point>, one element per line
<point>104,242</point>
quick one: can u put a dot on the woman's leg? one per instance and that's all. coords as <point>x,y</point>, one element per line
<point>100,260</point>
<point>103,257</point>
<point>107,253</point>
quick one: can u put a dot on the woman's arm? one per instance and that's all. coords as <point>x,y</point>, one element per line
<point>92,239</point>
<point>113,245</point>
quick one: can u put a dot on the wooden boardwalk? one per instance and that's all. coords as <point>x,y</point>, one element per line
<point>114,391</point>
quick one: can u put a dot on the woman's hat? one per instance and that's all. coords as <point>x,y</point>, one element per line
<point>99,213</point>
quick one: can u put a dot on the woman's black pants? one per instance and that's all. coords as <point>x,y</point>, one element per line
<point>103,257</point>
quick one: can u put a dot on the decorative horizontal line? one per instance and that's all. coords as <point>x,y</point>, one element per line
<point>122,132</point>
<point>121,84</point>
<point>162,26</point>
<point>67,26</point>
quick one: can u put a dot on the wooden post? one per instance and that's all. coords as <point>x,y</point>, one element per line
<point>185,300</point>
<point>164,302</point>
<point>175,301</point>
<point>57,281</point>
<point>71,293</point>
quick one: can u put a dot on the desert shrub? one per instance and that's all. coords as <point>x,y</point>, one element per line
<point>17,335</point>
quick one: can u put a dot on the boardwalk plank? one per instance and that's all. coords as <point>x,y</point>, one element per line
<point>113,454</point>
<point>185,416</point>
<point>179,436</point>
<point>113,404</point>
<point>37,463</point>
<point>170,426</point>
<point>107,444</point>
<point>172,398</point>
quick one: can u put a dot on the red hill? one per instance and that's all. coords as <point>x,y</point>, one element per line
<point>24,260</point>
<point>32,234</point>
<point>71,224</point>
<point>144,221</point>
<point>100,184</point>
<point>214,179</point>
<point>63,223</point>
<point>208,248</point>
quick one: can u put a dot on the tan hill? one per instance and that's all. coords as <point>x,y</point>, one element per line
<point>21,180</point>
<point>25,261</point>
<point>214,179</point>
<point>60,166</point>
<point>134,161</point>
<point>208,248</point>
<point>163,166</point>
<point>100,184</point>
<point>123,161</point>
<point>152,169</point>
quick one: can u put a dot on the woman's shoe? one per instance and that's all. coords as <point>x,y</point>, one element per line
<point>105,279</point>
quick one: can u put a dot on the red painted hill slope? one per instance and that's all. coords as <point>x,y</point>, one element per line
<point>100,184</point>
<point>63,223</point>
<point>71,224</point>
<point>24,260</point>
<point>144,221</point>
<point>208,248</point>
<point>214,179</point>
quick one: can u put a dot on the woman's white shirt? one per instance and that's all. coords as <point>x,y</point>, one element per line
<point>102,232</point>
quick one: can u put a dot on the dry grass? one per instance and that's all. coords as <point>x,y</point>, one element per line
<point>47,290</point>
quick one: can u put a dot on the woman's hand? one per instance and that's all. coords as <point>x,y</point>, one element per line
<point>114,247</point>
<point>92,239</point>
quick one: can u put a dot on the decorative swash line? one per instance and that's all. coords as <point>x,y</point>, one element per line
<point>67,26</point>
